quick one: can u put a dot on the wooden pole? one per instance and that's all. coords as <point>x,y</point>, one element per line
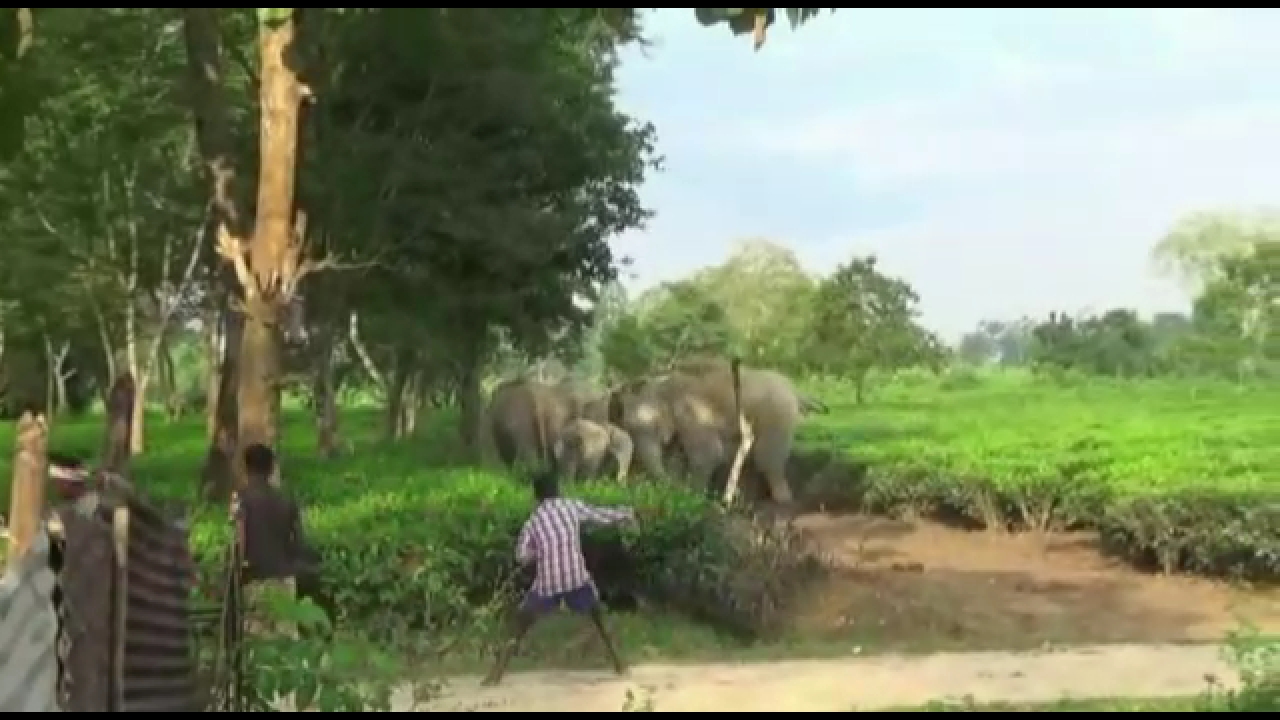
<point>745,435</point>
<point>26,501</point>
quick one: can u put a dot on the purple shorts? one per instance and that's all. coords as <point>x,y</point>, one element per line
<point>580,600</point>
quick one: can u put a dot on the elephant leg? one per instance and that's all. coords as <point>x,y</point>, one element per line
<point>704,452</point>
<point>591,465</point>
<point>769,455</point>
<point>506,449</point>
<point>649,451</point>
<point>569,468</point>
<point>623,455</point>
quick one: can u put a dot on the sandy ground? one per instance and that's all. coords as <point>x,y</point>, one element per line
<point>855,683</point>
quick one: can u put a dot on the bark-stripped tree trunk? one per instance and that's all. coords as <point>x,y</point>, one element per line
<point>270,264</point>
<point>274,256</point>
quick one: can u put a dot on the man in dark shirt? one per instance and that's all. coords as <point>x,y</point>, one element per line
<point>269,525</point>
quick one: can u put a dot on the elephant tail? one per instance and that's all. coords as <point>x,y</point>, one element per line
<point>812,406</point>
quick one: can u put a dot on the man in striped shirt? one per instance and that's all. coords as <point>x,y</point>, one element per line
<point>551,537</point>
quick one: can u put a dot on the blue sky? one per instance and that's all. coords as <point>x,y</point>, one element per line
<point>1005,162</point>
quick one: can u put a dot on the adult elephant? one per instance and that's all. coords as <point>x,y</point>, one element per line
<point>526,416</point>
<point>693,409</point>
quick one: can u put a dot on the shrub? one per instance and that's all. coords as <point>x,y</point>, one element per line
<point>434,549</point>
<point>1257,659</point>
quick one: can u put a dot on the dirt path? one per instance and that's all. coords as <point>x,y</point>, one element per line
<point>917,586</point>
<point>863,683</point>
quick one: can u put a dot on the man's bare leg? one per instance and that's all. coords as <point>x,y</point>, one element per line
<point>597,619</point>
<point>524,620</point>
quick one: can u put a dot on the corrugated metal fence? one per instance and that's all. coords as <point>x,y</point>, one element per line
<point>157,669</point>
<point>85,608</point>
<point>119,639</point>
<point>28,632</point>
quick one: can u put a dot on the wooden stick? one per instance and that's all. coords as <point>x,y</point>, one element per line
<point>26,501</point>
<point>120,536</point>
<point>735,471</point>
<point>745,435</point>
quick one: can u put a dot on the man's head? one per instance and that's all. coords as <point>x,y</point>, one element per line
<point>65,461</point>
<point>546,485</point>
<point>259,461</point>
<point>68,473</point>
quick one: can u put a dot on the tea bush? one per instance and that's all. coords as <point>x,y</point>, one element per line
<point>1179,475</point>
<point>433,548</point>
<point>412,539</point>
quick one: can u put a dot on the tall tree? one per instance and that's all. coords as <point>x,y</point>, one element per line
<point>863,319</point>
<point>1192,252</point>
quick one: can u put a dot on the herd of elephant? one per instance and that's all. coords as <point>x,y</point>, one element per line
<point>688,415</point>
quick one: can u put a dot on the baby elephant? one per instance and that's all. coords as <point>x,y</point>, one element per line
<point>581,446</point>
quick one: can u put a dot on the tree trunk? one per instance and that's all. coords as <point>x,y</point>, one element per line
<point>409,404</point>
<point>270,268</point>
<point>213,132</point>
<point>52,379</point>
<point>259,375</point>
<point>273,255</point>
<point>325,400</point>
<point>139,411</point>
<point>216,325</point>
<point>116,445</point>
<point>395,399</point>
<point>131,340</point>
<point>471,406</point>
<point>50,372</point>
<point>217,474</point>
<point>174,401</point>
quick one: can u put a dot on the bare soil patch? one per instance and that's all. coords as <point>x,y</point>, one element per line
<point>920,585</point>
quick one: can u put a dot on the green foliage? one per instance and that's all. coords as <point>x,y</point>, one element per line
<point>478,153</point>
<point>315,670</point>
<point>1231,333</point>
<point>766,296</point>
<point>761,306</point>
<point>863,319</point>
<point>1175,474</point>
<point>1257,659</point>
<point>414,548</point>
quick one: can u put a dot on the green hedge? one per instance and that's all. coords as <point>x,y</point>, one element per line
<point>1178,474</point>
<point>1225,533</point>
<point>426,549</point>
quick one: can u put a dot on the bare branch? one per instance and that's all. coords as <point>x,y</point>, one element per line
<point>231,249</point>
<point>330,262</point>
<point>353,336</point>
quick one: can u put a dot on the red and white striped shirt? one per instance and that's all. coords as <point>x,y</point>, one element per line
<point>551,537</point>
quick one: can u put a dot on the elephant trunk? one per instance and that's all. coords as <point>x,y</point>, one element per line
<point>812,406</point>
